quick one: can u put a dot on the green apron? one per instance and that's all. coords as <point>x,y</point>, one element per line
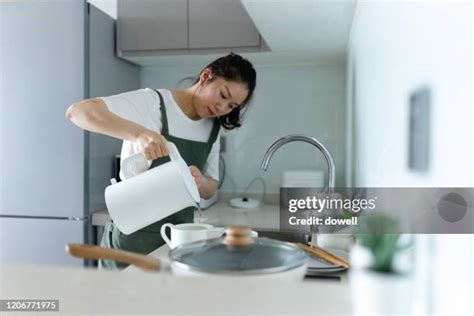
<point>149,238</point>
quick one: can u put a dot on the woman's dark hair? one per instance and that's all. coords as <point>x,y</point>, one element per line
<point>234,67</point>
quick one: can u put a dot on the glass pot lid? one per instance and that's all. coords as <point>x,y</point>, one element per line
<point>238,252</point>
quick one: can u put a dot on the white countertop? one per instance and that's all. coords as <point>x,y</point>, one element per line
<point>134,292</point>
<point>222,214</point>
<point>229,296</point>
<point>358,291</point>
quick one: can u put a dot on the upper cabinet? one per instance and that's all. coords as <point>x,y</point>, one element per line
<point>144,25</point>
<point>173,27</point>
<point>220,23</point>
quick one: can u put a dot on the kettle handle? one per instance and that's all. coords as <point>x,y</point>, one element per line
<point>174,153</point>
<point>134,165</point>
<point>137,163</point>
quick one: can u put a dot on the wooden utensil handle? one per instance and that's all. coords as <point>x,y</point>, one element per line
<point>96,252</point>
<point>323,254</point>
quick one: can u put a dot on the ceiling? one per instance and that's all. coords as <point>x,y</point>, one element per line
<point>319,26</point>
<point>107,6</point>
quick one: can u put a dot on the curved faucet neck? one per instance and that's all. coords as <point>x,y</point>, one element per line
<point>311,140</point>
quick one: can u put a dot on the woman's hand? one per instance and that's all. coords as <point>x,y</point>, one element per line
<point>206,186</point>
<point>197,175</point>
<point>152,144</point>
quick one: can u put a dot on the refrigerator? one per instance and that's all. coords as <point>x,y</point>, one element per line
<point>46,165</point>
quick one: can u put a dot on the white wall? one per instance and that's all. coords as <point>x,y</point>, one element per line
<point>395,48</point>
<point>303,99</point>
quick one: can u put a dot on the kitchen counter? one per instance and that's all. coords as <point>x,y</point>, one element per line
<point>134,291</point>
<point>222,214</point>
<point>358,291</point>
<point>92,291</point>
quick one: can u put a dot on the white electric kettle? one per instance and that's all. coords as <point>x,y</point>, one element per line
<point>144,198</point>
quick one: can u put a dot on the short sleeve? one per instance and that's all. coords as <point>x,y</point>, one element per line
<point>211,168</point>
<point>137,106</point>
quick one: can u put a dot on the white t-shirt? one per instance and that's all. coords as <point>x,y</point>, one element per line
<point>143,107</point>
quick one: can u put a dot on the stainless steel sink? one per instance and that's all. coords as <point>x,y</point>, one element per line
<point>289,236</point>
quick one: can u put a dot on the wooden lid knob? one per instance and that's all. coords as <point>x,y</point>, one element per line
<point>238,236</point>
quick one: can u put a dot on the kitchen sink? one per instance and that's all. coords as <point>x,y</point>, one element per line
<point>289,236</point>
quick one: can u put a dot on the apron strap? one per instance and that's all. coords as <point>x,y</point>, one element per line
<point>164,122</point>
<point>164,118</point>
<point>214,132</point>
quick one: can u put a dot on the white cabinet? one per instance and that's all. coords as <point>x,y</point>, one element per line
<point>170,27</point>
<point>220,23</point>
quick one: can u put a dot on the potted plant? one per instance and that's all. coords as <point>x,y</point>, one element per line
<point>379,233</point>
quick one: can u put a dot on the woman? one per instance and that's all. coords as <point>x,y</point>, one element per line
<point>147,119</point>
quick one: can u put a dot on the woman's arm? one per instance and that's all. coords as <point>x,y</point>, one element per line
<point>94,116</point>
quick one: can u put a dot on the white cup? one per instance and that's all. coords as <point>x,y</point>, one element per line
<point>336,240</point>
<point>185,233</point>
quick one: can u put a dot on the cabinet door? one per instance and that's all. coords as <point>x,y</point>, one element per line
<point>220,23</point>
<point>152,24</point>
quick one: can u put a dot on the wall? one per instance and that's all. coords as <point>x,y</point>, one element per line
<point>289,99</point>
<point>396,47</point>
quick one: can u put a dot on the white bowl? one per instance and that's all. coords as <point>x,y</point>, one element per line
<point>338,241</point>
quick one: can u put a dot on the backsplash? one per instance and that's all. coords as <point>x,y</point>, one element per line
<point>290,99</point>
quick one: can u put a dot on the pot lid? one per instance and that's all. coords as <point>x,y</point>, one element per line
<point>237,252</point>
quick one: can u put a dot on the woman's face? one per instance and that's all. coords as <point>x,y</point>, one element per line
<point>218,96</point>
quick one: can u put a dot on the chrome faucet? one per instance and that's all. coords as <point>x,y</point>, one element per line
<point>313,141</point>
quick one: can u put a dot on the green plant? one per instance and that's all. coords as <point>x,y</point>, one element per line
<point>379,233</point>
